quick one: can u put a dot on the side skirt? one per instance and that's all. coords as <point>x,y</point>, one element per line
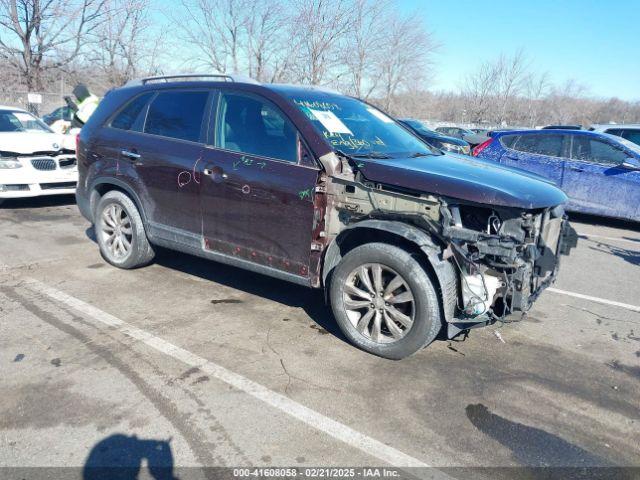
<point>193,244</point>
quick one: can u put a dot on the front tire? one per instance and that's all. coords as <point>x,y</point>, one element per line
<point>120,232</point>
<point>384,301</point>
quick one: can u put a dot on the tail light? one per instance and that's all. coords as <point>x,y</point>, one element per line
<point>476,151</point>
<point>77,143</point>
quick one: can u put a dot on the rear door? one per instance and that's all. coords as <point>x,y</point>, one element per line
<point>596,182</point>
<point>163,157</point>
<point>540,153</point>
<point>257,192</point>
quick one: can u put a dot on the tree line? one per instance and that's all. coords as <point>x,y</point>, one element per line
<point>365,48</point>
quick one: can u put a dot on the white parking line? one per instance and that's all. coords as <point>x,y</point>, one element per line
<point>613,239</point>
<point>604,301</point>
<point>337,430</point>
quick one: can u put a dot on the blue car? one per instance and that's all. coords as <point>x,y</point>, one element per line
<point>600,173</point>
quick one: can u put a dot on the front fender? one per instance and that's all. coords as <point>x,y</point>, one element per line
<point>445,273</point>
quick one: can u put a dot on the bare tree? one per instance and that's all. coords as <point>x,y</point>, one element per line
<point>126,44</point>
<point>511,73</point>
<point>405,56</point>
<point>361,52</point>
<point>537,87</point>
<point>214,28</point>
<point>317,29</point>
<point>479,92</point>
<point>268,48</point>
<point>37,36</point>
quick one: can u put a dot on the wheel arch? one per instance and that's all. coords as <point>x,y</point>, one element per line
<point>103,185</point>
<point>407,237</point>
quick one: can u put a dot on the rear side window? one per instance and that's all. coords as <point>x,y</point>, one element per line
<point>508,140</point>
<point>128,115</point>
<point>177,114</point>
<point>596,151</point>
<point>614,131</point>
<point>254,126</point>
<point>549,145</point>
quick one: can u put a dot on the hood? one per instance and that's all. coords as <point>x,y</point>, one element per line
<point>465,178</point>
<point>25,143</point>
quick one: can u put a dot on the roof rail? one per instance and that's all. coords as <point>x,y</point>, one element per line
<point>193,77</point>
<point>318,88</point>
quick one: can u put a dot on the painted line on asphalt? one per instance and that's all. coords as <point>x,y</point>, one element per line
<point>604,301</point>
<point>335,429</point>
<point>613,239</point>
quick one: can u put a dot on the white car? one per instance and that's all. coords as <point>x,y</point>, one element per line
<point>34,160</point>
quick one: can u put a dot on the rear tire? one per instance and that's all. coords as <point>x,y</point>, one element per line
<point>120,232</point>
<point>384,301</point>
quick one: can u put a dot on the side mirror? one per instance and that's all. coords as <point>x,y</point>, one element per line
<point>631,163</point>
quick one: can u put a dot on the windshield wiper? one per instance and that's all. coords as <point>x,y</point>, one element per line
<point>421,154</point>
<point>370,155</point>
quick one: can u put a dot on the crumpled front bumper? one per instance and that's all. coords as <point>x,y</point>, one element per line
<point>558,238</point>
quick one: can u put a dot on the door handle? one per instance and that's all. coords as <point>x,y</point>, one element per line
<point>209,172</point>
<point>576,169</point>
<point>130,155</point>
<point>510,157</point>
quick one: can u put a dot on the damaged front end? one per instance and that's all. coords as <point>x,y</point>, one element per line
<point>506,257</point>
<point>490,261</point>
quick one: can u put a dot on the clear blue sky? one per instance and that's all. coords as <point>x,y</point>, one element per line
<point>596,42</point>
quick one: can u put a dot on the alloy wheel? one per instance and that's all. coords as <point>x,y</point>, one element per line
<point>379,303</point>
<point>117,232</point>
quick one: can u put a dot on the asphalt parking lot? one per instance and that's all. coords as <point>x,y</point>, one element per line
<point>221,367</point>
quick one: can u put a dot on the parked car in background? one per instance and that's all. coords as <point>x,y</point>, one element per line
<point>465,134</point>
<point>435,139</point>
<point>480,131</point>
<point>34,161</point>
<point>630,132</point>
<point>599,172</point>
<point>322,190</point>
<point>61,113</point>
<point>562,127</point>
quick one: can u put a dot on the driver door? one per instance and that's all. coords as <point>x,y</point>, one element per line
<point>257,197</point>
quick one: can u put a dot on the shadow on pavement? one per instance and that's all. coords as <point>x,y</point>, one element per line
<point>604,222</point>
<point>531,446</point>
<point>119,457</point>
<point>38,202</point>
<point>286,293</point>
<point>310,300</point>
<point>631,256</point>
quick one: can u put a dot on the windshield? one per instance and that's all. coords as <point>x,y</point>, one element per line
<point>11,121</point>
<point>357,129</point>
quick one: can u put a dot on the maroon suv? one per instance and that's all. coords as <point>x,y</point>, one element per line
<point>322,190</point>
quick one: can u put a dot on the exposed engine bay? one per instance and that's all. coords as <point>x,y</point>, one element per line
<point>503,257</point>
